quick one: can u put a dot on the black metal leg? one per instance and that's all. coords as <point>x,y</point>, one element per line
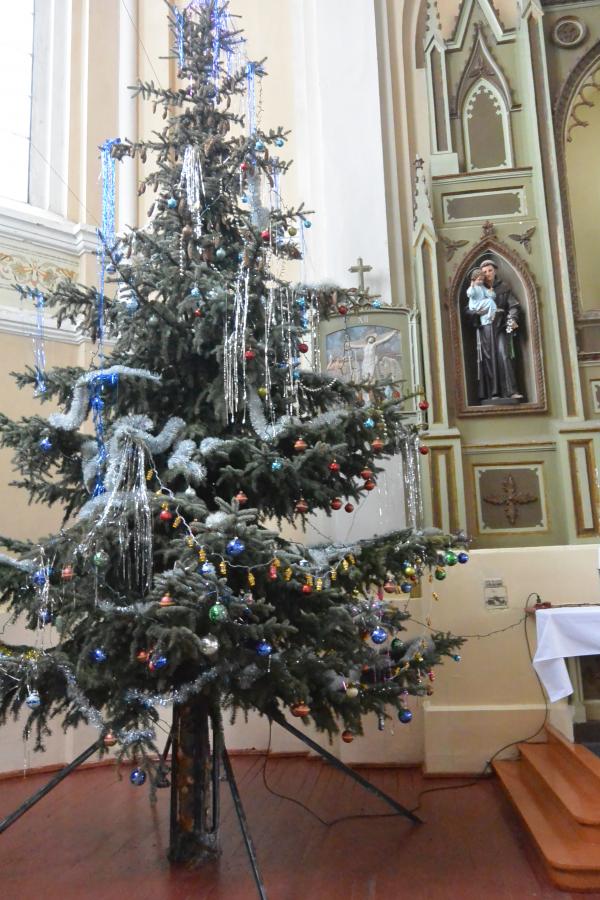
<point>161,772</point>
<point>237,802</point>
<point>50,785</point>
<point>401,810</point>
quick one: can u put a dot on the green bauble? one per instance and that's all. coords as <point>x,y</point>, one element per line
<point>440,574</point>
<point>217,613</point>
<point>397,644</point>
<point>451,558</point>
<point>100,559</point>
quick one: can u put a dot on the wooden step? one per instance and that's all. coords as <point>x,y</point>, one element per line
<point>578,752</point>
<point>573,785</point>
<point>570,851</point>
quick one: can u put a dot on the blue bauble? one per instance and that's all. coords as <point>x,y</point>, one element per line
<point>40,577</point>
<point>171,202</point>
<point>138,777</point>
<point>405,716</point>
<point>45,444</point>
<point>33,700</point>
<point>97,403</point>
<point>279,142</point>
<point>406,587</point>
<point>376,304</point>
<point>159,662</point>
<point>296,376</point>
<point>98,655</point>
<point>207,568</point>
<point>463,557</point>
<point>276,465</point>
<point>195,291</point>
<point>301,302</point>
<point>369,423</point>
<point>306,223</point>
<point>263,648</point>
<point>457,657</point>
<point>45,616</point>
<point>131,305</point>
<point>244,198</point>
<point>235,547</point>
<point>259,145</point>
<point>379,635</point>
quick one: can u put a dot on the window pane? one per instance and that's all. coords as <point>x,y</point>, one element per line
<point>16,47</point>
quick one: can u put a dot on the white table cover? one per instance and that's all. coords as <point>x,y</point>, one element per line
<point>568,631</point>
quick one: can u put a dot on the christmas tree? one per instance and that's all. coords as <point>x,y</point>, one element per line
<point>170,583</point>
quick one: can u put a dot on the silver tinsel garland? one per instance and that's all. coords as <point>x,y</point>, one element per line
<point>81,395</point>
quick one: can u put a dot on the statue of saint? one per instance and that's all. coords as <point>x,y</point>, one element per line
<point>496,376</point>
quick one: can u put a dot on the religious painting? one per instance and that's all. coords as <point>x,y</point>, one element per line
<point>510,498</point>
<point>369,348</point>
<point>595,389</point>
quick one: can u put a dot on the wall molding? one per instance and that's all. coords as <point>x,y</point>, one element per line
<point>22,322</point>
<point>23,224</point>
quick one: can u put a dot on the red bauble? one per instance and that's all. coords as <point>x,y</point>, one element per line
<point>142,656</point>
<point>303,347</point>
<point>300,710</point>
<point>343,310</point>
<point>336,503</point>
<point>424,450</point>
<point>366,474</point>
<point>334,466</point>
<point>265,235</point>
<point>67,573</point>
<point>241,498</point>
<point>273,573</point>
<point>197,313</point>
<point>300,445</point>
<point>250,355</point>
<point>166,600</point>
<point>244,167</point>
<point>377,445</point>
<point>347,737</point>
<point>423,405</point>
<point>369,485</point>
<point>349,507</point>
<point>109,740</point>
<point>165,515</point>
<point>389,587</point>
<point>307,589</point>
<point>302,506</point>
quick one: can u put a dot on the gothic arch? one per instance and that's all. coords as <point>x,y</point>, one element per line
<point>485,91</point>
<point>517,273</point>
<point>566,120</point>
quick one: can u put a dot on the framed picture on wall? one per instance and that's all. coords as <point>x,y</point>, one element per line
<point>373,347</point>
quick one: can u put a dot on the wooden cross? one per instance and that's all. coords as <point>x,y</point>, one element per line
<point>512,499</point>
<point>360,270</point>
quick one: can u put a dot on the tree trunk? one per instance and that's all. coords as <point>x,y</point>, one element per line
<point>196,757</point>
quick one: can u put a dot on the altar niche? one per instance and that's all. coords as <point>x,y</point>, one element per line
<point>474,395</point>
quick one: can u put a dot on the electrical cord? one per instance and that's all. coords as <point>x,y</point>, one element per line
<point>484,775</point>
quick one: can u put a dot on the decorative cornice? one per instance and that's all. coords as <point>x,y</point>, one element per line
<point>492,17</point>
<point>28,225</point>
<point>22,322</point>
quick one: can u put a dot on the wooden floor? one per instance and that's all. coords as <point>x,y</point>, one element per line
<point>98,837</point>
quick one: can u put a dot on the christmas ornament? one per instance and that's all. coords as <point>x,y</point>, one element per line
<point>302,347</point>
<point>241,498</point>
<point>279,142</point>
<point>165,515</point>
<point>244,167</point>
<point>405,716</point>
<point>207,568</point>
<point>109,740</point>
<point>397,645</point>
<point>389,587</point>
<point>292,231</point>
<point>209,645</point>
<point>347,737</point>
<point>142,656</point>
<point>221,253</point>
<point>379,635</point>
<point>377,445</point>
<point>195,291</point>
<point>158,662</point>
<point>307,589</point>
<point>336,503</point>
<point>306,223</point>
<point>166,600</point>
<point>98,655</point>
<point>273,573</point>
<point>423,450</point>
<point>276,465</point>
<point>334,466</point>
<point>366,474</point>
<point>349,507</point>
<point>45,617</point>
<point>463,557</point>
<point>351,692</point>
<point>343,310</point>
<point>40,577</point>
<point>423,405</point>
<point>263,648</point>
<point>259,145</point>
<point>33,700</point>
<point>300,445</point>
<point>265,234</point>
<point>218,613</point>
<point>46,444</point>
<point>457,658</point>
<point>138,777</point>
<point>369,485</point>
<point>262,392</point>
<point>302,506</point>
<point>67,573</point>
<point>450,558</point>
<point>408,570</point>
<point>369,423</point>
<point>439,574</point>
<point>235,547</point>
<point>172,202</point>
<point>300,710</point>
<point>406,587</point>
<point>249,355</point>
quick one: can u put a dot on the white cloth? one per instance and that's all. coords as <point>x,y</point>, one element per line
<point>564,632</point>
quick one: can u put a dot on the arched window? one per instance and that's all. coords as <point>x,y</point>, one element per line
<point>486,126</point>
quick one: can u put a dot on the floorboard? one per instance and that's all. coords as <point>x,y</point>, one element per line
<point>97,838</point>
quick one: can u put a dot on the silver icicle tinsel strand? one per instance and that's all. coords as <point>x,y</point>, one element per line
<point>192,182</point>
<point>234,348</point>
